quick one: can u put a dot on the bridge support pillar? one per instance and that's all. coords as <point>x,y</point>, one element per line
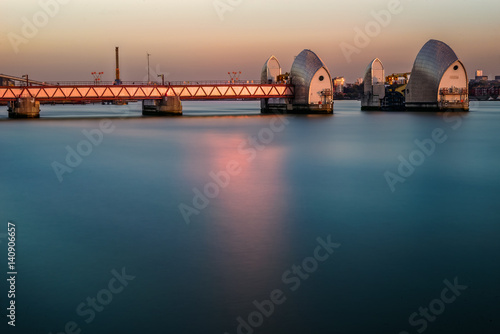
<point>24,108</point>
<point>168,106</point>
<point>171,105</point>
<point>308,109</point>
<point>275,106</point>
<point>287,107</point>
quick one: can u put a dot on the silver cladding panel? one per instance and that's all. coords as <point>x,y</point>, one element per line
<point>263,75</point>
<point>305,66</point>
<point>367,79</point>
<point>431,63</point>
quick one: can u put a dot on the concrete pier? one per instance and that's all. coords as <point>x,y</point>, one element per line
<point>168,106</point>
<point>313,108</point>
<point>24,108</point>
<point>275,106</point>
<point>289,108</point>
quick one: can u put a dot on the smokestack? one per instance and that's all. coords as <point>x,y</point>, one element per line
<point>117,51</point>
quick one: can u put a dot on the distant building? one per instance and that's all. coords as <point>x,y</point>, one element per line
<point>359,81</point>
<point>339,83</point>
<point>398,78</point>
<point>6,82</point>
<point>480,76</point>
<point>485,92</point>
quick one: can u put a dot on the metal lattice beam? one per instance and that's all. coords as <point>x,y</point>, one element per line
<point>134,92</point>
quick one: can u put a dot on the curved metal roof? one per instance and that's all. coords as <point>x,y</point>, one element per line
<point>305,66</point>
<point>265,68</point>
<point>431,63</point>
<point>368,77</point>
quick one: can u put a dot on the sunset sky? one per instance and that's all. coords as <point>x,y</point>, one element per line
<point>191,40</point>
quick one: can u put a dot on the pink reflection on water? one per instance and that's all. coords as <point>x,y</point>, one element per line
<point>250,249</point>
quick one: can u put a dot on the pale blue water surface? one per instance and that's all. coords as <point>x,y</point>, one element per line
<point>299,179</point>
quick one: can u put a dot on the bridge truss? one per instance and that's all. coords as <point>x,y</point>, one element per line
<point>81,93</point>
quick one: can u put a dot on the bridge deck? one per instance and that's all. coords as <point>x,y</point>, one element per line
<point>79,93</point>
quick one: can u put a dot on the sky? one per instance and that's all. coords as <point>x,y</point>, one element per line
<point>66,40</point>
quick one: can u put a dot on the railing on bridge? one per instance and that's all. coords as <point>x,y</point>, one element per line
<point>194,90</point>
<point>138,83</point>
<point>453,91</point>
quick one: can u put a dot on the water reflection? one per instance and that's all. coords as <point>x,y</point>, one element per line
<point>320,176</point>
<point>249,215</point>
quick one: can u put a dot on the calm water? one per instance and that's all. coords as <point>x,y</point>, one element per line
<point>299,179</point>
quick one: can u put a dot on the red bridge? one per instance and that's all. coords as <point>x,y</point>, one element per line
<point>310,93</point>
<point>183,90</point>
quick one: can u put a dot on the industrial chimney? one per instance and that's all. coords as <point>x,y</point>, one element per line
<point>117,80</point>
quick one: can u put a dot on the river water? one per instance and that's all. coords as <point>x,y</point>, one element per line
<point>226,221</point>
